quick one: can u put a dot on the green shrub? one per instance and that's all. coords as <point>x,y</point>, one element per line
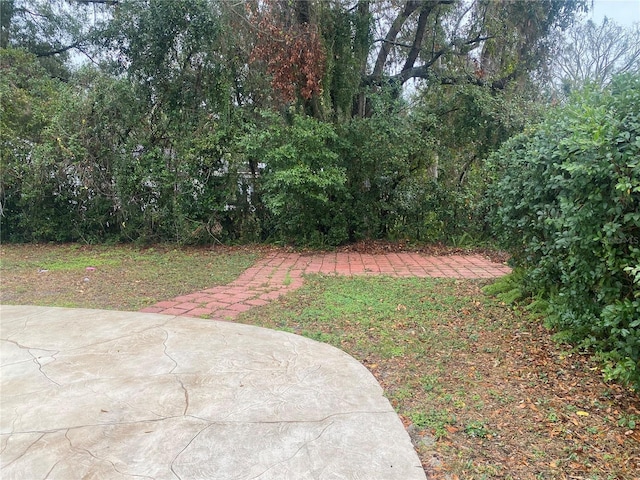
<point>303,185</point>
<point>566,203</point>
<point>387,160</point>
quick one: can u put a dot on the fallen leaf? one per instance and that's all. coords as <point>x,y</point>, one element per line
<point>582,414</point>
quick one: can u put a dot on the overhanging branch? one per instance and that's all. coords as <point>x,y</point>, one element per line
<point>100,2</point>
<point>396,44</point>
<point>51,53</point>
<point>410,7</point>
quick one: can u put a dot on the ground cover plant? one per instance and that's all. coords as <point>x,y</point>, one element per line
<point>481,387</point>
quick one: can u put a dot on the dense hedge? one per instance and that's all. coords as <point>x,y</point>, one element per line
<point>566,202</point>
<point>323,184</point>
<point>93,161</point>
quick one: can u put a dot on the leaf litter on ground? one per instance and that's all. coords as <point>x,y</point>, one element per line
<point>482,389</point>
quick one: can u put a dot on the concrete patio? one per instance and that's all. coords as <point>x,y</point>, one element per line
<point>104,394</point>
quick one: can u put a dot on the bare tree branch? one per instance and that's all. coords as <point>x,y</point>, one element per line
<point>100,2</point>
<point>410,7</point>
<point>51,53</point>
<point>420,30</point>
<point>396,44</point>
<point>595,53</point>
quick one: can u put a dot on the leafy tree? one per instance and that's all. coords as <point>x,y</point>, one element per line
<point>29,99</point>
<point>465,124</point>
<point>177,177</point>
<point>52,30</point>
<point>59,147</point>
<point>149,159</point>
<point>170,50</point>
<point>385,155</point>
<point>173,143</point>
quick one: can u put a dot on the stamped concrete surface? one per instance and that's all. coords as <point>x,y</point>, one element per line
<point>104,394</point>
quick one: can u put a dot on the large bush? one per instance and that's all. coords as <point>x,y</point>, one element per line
<point>567,204</point>
<point>33,185</point>
<point>385,157</point>
<point>301,187</point>
<point>89,161</point>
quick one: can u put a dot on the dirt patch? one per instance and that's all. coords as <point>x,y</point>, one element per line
<point>380,247</point>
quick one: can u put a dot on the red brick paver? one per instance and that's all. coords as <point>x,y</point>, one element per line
<point>277,274</point>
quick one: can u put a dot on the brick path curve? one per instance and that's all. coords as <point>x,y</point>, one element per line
<point>277,274</point>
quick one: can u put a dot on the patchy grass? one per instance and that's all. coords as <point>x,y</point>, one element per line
<point>112,277</point>
<point>481,388</point>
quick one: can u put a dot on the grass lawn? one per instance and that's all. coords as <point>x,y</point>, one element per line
<point>113,277</point>
<point>481,388</point>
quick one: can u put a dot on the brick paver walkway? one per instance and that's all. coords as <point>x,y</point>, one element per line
<point>278,274</point>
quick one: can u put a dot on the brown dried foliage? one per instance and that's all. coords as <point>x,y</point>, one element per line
<point>292,52</point>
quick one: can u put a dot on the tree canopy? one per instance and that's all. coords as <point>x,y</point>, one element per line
<point>189,120</point>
